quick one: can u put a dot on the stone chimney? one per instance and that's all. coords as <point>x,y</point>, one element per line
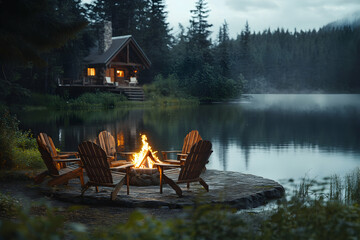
<point>105,35</point>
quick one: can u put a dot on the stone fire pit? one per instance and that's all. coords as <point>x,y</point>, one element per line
<point>144,177</point>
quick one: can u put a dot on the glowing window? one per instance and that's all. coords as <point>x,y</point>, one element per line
<point>120,73</point>
<point>91,71</point>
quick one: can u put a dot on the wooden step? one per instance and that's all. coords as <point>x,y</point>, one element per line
<point>132,93</point>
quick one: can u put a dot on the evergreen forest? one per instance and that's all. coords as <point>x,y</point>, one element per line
<point>44,40</point>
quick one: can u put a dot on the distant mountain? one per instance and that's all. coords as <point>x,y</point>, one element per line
<point>352,20</point>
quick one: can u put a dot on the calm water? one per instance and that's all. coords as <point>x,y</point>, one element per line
<point>274,136</point>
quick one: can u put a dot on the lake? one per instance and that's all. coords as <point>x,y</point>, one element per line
<point>276,136</point>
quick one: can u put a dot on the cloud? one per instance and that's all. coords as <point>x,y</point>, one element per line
<point>261,5</point>
<point>249,5</point>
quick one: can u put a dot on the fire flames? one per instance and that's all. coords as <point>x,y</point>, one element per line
<point>146,157</point>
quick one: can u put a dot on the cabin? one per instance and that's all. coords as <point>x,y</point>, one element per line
<point>113,65</point>
<point>119,63</point>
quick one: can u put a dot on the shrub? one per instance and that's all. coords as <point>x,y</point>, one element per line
<point>319,220</point>
<point>47,100</point>
<point>8,128</point>
<point>100,100</point>
<point>28,226</point>
<point>163,87</point>
<point>8,205</point>
<point>18,149</point>
<point>208,85</point>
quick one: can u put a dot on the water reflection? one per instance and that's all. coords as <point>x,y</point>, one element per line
<point>275,136</point>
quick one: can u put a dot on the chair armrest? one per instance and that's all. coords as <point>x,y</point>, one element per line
<point>67,160</point>
<point>172,151</point>
<point>122,166</point>
<point>182,154</point>
<point>125,153</point>
<point>72,153</point>
<point>64,156</point>
<point>166,165</point>
<point>172,161</point>
<point>165,153</point>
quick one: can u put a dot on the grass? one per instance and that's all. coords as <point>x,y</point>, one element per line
<point>102,100</point>
<point>346,190</point>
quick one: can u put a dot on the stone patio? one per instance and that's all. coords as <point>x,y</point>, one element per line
<point>234,189</point>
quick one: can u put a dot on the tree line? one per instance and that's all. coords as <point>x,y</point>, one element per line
<point>43,40</point>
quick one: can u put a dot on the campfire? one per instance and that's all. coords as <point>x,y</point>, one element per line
<point>146,157</point>
<point>143,173</point>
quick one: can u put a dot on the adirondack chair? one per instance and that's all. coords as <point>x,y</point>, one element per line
<point>190,170</point>
<point>47,141</point>
<point>107,142</point>
<point>133,81</point>
<point>108,81</point>
<point>190,139</point>
<point>98,169</point>
<point>59,175</point>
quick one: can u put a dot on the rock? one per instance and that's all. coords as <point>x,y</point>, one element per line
<point>234,189</point>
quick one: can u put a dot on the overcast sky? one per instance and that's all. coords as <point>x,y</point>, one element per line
<point>263,14</point>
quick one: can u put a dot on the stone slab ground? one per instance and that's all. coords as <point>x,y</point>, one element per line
<point>238,190</point>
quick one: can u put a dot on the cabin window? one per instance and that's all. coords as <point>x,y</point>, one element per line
<point>120,73</point>
<point>91,71</point>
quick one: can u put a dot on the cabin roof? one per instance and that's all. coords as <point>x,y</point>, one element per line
<point>118,44</point>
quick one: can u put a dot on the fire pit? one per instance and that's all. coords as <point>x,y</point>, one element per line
<point>144,173</point>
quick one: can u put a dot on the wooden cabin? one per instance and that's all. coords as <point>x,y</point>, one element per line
<point>115,62</point>
<point>117,65</point>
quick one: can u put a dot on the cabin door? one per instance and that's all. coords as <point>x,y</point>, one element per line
<point>110,72</point>
<point>120,76</point>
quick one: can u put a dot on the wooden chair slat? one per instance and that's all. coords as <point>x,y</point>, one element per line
<point>97,167</point>
<point>191,170</point>
<point>48,142</point>
<point>190,139</point>
<point>107,142</point>
<point>59,175</point>
<point>47,158</point>
<point>95,163</point>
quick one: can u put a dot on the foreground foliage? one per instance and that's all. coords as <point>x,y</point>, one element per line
<point>293,220</point>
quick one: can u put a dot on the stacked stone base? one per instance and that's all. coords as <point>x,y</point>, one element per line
<point>144,177</point>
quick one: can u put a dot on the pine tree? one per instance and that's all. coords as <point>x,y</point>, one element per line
<point>245,51</point>
<point>223,50</point>
<point>199,32</point>
<point>128,17</point>
<point>156,39</point>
